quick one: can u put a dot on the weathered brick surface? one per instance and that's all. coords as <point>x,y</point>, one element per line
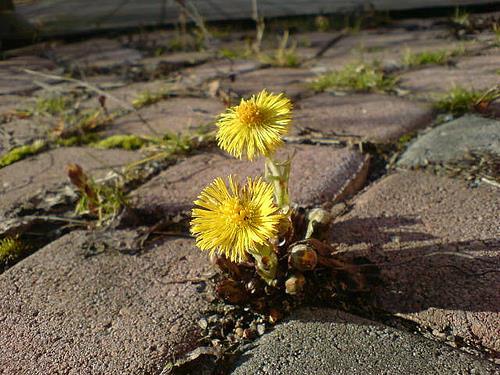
<point>24,179</point>
<point>79,306</point>
<point>171,61</point>
<point>472,73</point>
<point>216,69</point>
<point>314,39</point>
<point>436,242</point>
<point>319,176</point>
<point>9,103</point>
<point>379,118</point>
<point>13,80</point>
<point>386,47</point>
<point>386,38</point>
<point>127,93</point>
<point>294,82</point>
<point>20,132</point>
<point>176,115</point>
<point>94,54</point>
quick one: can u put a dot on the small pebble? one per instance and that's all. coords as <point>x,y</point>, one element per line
<point>239,332</point>
<point>203,323</point>
<point>261,328</point>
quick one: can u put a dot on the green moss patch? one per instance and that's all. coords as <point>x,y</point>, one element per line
<point>126,142</point>
<point>21,152</point>
<point>10,249</point>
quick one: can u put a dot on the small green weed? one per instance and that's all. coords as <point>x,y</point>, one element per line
<point>322,23</point>
<point>439,57</point>
<point>175,144</point>
<point>496,30</point>
<point>359,77</point>
<point>79,124</point>
<point>284,55</point>
<point>100,200</point>
<point>53,105</point>
<point>232,54</point>
<point>461,17</point>
<point>149,97</point>
<point>460,100</point>
<point>21,152</point>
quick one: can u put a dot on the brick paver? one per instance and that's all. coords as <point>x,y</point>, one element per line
<point>436,241</point>
<point>80,306</point>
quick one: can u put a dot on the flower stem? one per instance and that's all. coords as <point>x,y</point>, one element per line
<point>266,262</point>
<point>278,174</point>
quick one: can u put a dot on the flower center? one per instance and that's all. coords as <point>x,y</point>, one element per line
<point>237,213</point>
<point>250,114</point>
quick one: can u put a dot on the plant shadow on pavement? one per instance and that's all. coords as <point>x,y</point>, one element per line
<point>419,270</point>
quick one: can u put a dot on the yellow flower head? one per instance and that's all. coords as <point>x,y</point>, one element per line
<point>255,126</point>
<point>233,221</point>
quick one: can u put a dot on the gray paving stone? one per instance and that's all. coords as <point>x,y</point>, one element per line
<point>453,141</point>
<point>177,115</point>
<point>436,241</point>
<point>80,306</point>
<point>322,341</point>
<point>294,82</point>
<point>21,181</point>
<point>377,118</point>
<point>319,176</point>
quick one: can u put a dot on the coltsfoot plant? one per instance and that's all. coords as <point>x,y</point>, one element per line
<point>263,244</point>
